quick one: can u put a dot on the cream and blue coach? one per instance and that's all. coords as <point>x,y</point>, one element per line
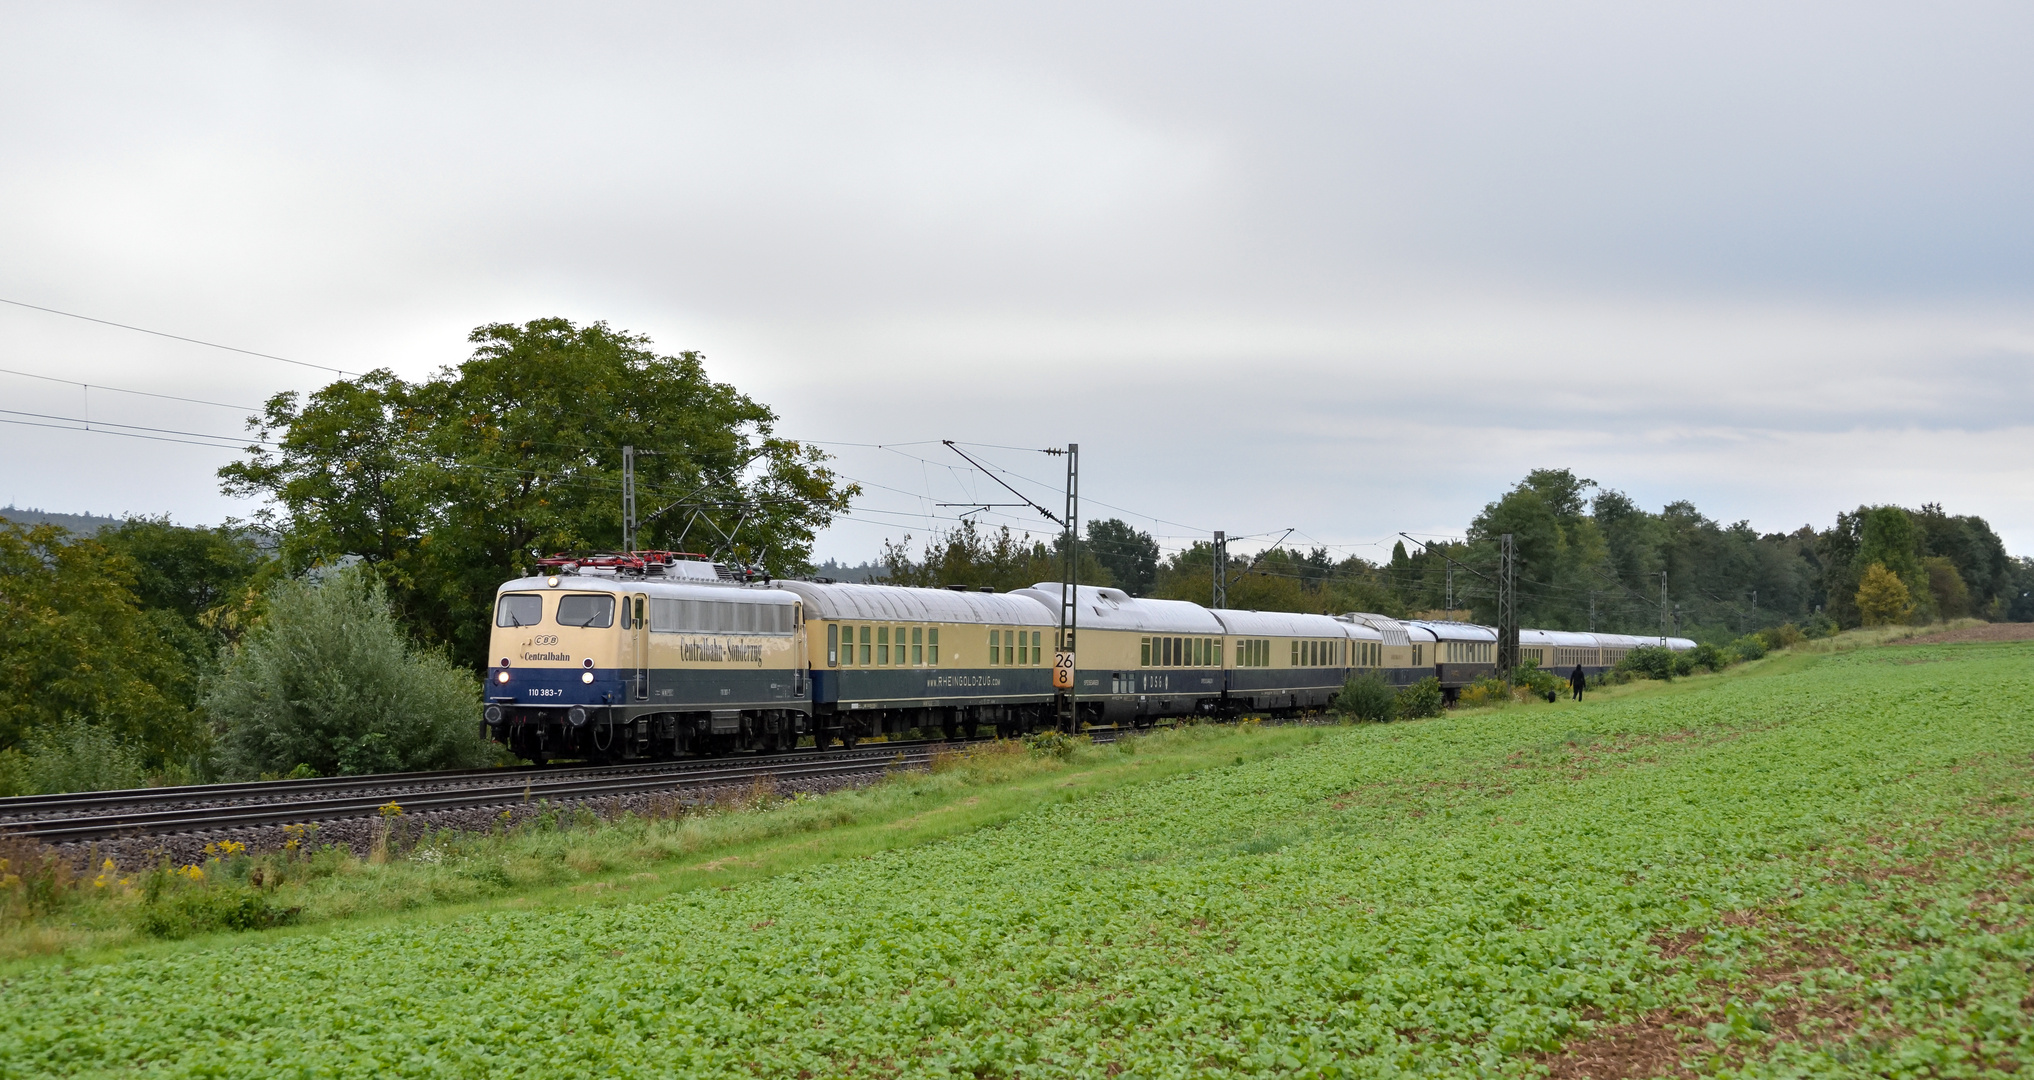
<point>887,659</point>
<point>586,663</point>
<point>1138,659</point>
<point>1284,660</point>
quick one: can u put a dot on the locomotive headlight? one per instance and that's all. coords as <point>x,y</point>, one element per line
<point>552,581</point>
<point>586,677</point>
<point>501,676</point>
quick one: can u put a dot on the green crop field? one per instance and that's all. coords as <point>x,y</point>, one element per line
<point>1818,866</point>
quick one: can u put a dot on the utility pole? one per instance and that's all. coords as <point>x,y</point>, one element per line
<point>628,499</point>
<point>1450,572</point>
<point>1221,570</point>
<point>1507,610</point>
<point>1592,611</point>
<point>1069,609</point>
<point>1663,609</point>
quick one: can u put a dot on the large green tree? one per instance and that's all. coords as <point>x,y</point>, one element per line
<point>1131,556</point>
<point>76,646</point>
<point>445,487</point>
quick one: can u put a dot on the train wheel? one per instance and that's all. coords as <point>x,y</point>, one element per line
<point>969,728</point>
<point>821,738</point>
<point>949,731</point>
<point>849,737</point>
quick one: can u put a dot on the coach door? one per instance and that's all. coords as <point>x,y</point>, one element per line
<point>638,647</point>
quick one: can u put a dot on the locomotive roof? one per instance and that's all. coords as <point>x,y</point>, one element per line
<point>1114,609</point>
<point>662,588</point>
<point>1280,624</point>
<point>878,603</point>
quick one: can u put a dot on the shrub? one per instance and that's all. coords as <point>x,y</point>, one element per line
<point>1821,626</point>
<point>1704,655</point>
<point>1056,744</point>
<point>1539,683</point>
<point>1420,700</point>
<point>1650,662</point>
<point>1368,698</point>
<point>1785,636</point>
<point>1488,690</point>
<point>1882,598</point>
<point>328,680</point>
<point>71,755</point>
<point>1749,647</point>
<point>180,913</point>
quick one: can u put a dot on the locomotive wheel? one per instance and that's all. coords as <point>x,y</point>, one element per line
<point>821,738</point>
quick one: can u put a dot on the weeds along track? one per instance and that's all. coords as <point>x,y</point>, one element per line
<point>106,815</point>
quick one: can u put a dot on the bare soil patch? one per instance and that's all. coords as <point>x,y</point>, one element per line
<point>1990,632</point>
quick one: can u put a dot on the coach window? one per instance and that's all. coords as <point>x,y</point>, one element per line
<point>932,646</point>
<point>882,645</point>
<point>832,646</point>
<point>918,645</point>
<point>995,646</point>
<point>1144,652</point>
<point>899,654</point>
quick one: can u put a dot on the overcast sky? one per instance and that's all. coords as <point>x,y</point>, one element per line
<point>1344,269</point>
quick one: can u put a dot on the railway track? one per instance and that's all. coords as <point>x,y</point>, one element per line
<point>103,815</point>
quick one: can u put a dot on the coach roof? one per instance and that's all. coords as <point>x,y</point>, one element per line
<point>1114,609</point>
<point>896,603</point>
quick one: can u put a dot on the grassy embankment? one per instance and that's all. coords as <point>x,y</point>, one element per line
<point>567,857</point>
<point>1811,865</point>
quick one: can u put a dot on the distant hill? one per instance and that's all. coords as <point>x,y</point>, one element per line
<point>78,524</point>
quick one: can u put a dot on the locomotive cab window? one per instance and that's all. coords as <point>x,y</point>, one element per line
<point>586,610</point>
<point>519,609</point>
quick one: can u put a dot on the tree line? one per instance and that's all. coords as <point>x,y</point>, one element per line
<point>1585,557</point>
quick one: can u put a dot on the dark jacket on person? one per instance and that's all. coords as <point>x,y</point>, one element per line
<point>1576,678</point>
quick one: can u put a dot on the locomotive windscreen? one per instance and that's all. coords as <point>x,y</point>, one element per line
<point>585,610</point>
<point>519,609</point>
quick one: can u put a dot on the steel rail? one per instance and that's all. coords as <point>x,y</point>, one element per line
<point>13,807</point>
<point>194,819</point>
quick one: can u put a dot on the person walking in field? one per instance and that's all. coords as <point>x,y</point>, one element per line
<point>1577,680</point>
